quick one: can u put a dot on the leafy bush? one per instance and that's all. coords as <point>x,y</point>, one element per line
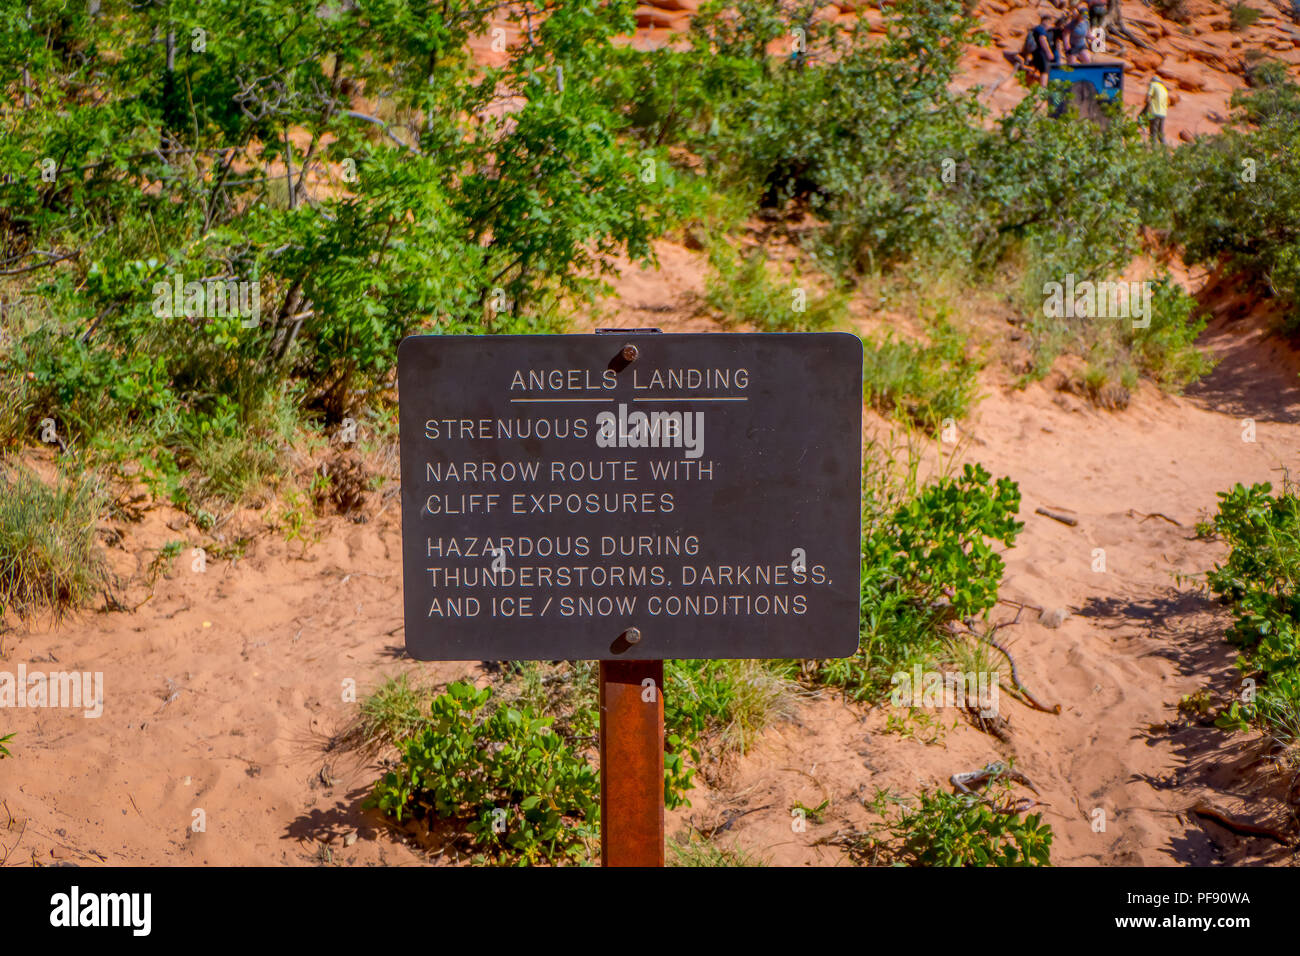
<point>567,692</point>
<point>525,750</point>
<point>951,829</point>
<point>1260,581</point>
<point>1240,192</point>
<point>517,788</point>
<point>928,558</point>
<point>48,555</point>
<point>403,200</point>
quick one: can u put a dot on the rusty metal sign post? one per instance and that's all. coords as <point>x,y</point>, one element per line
<point>631,763</point>
<point>631,746</point>
<point>569,497</point>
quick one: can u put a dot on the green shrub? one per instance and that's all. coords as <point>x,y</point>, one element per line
<point>1240,191</point>
<point>519,791</point>
<point>48,554</point>
<point>434,214</point>
<point>951,829</point>
<point>928,559</point>
<point>1259,580</point>
<point>1165,350</point>
<point>712,708</point>
<point>922,384</point>
<point>525,750</point>
<point>1242,16</point>
<point>743,289</point>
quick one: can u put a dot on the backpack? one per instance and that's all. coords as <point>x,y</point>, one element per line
<point>1029,46</point>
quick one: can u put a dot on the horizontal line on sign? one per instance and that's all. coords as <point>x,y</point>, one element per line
<point>561,399</point>
<point>691,398</point>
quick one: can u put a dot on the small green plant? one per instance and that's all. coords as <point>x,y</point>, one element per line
<point>162,562</point>
<point>677,775</point>
<point>392,713</point>
<point>48,554</point>
<point>1197,705</point>
<point>743,290</point>
<point>915,724</point>
<point>297,517</point>
<point>1237,717</point>
<point>816,814</point>
<point>956,829</point>
<point>922,384</point>
<point>1242,16</point>
<point>698,851</point>
<point>4,751</point>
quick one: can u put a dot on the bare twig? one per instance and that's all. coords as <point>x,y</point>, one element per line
<point>1133,513</point>
<point>365,117</point>
<point>987,638</point>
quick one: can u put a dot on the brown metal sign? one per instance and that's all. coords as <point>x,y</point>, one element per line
<point>636,496</point>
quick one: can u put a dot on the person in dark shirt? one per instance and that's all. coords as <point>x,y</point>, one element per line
<point>1044,53</point>
<point>1059,30</point>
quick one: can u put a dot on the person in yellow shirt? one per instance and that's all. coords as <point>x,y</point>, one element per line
<point>1157,107</point>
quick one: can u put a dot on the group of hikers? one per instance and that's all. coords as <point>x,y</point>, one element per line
<point>1064,38</point>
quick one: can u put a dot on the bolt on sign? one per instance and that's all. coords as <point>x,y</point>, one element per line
<point>639,496</point>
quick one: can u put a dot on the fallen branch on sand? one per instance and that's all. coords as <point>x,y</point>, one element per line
<point>1057,516</point>
<point>996,771</point>
<point>1240,827</point>
<point>709,832</point>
